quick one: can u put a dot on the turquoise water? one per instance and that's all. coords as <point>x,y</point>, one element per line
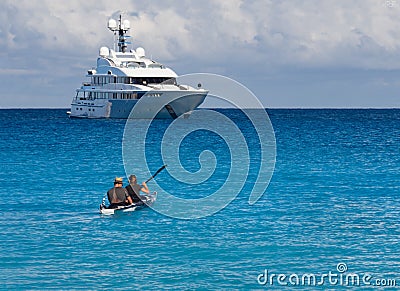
<point>334,198</point>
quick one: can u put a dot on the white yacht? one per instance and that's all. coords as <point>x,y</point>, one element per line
<point>123,77</point>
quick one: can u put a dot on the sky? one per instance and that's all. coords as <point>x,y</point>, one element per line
<point>290,54</point>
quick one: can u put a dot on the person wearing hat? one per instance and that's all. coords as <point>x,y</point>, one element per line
<point>134,189</point>
<point>118,196</point>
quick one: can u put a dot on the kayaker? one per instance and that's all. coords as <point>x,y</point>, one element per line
<point>134,189</point>
<point>118,196</point>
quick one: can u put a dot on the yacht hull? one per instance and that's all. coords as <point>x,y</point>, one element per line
<point>172,104</point>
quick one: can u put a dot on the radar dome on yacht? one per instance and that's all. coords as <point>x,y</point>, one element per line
<point>112,24</point>
<point>104,51</point>
<point>140,52</point>
<point>126,24</point>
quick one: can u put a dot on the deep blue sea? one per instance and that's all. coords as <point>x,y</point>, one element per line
<point>331,209</point>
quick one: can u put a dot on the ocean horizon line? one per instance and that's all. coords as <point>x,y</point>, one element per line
<point>273,108</point>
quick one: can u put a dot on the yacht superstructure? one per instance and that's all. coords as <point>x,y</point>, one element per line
<point>123,77</point>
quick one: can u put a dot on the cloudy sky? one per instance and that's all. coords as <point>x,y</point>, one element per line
<point>308,53</point>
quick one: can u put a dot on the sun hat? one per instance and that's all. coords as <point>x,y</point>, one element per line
<point>118,180</point>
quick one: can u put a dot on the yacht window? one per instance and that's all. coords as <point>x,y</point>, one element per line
<point>132,65</point>
<point>80,95</point>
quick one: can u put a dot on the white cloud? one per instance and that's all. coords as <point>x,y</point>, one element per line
<point>246,37</point>
<point>297,31</point>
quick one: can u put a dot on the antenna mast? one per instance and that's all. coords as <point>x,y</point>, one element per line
<point>122,28</point>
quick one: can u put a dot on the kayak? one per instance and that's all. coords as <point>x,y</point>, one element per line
<point>148,201</point>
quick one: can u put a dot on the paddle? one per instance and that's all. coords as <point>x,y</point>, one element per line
<point>149,179</point>
<point>156,173</point>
